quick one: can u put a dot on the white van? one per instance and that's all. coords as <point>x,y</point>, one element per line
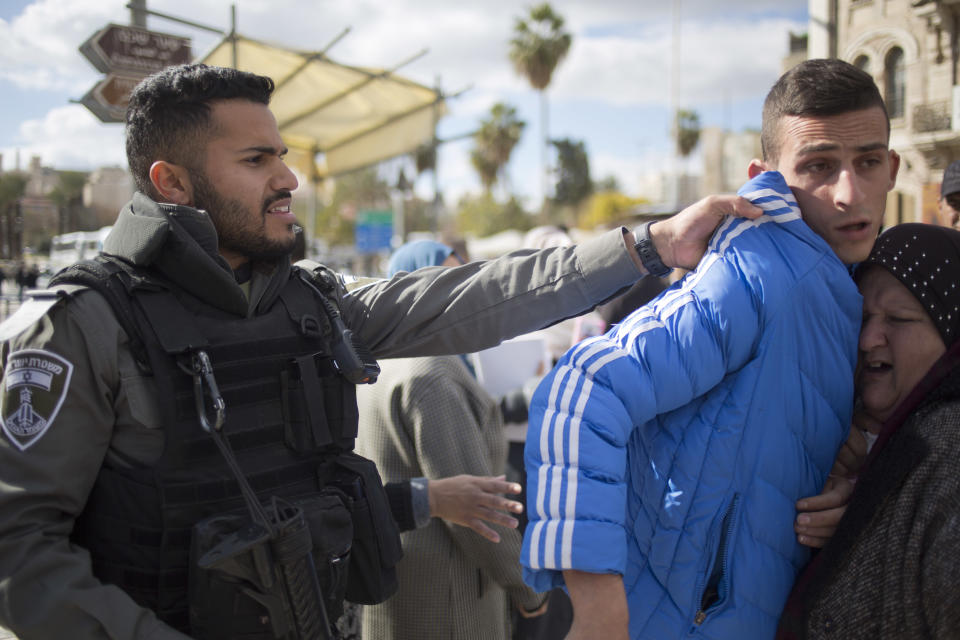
<point>71,247</point>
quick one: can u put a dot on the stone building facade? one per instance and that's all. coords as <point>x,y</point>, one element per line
<point>106,191</point>
<point>911,49</point>
<point>726,156</point>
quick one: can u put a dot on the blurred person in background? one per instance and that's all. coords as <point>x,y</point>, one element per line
<point>430,418</point>
<point>949,202</point>
<point>613,312</point>
<point>890,568</point>
<point>559,337</point>
<point>20,278</point>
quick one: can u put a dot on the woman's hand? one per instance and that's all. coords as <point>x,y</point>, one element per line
<point>818,516</point>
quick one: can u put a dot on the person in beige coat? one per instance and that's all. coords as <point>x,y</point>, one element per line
<point>430,418</point>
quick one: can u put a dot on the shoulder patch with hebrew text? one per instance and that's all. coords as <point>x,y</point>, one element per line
<point>35,384</point>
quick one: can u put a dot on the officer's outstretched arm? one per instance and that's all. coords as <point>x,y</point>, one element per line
<point>439,310</point>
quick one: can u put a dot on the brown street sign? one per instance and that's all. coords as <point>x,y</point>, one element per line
<point>108,98</point>
<point>125,48</point>
<point>114,90</point>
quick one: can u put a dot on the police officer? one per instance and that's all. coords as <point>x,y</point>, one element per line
<point>110,401</point>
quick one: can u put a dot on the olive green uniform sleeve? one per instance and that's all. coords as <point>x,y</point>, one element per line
<point>48,589</point>
<point>439,310</point>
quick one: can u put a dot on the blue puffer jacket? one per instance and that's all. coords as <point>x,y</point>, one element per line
<point>672,449</point>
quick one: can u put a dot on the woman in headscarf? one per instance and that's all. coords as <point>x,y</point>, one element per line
<point>890,570</point>
<point>422,253</point>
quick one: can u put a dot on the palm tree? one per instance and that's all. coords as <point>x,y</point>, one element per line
<point>13,184</point>
<point>425,157</point>
<point>573,184</point>
<point>495,141</point>
<point>538,45</point>
<point>68,196</point>
<point>688,131</point>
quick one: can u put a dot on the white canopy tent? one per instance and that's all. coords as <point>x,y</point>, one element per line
<point>333,117</point>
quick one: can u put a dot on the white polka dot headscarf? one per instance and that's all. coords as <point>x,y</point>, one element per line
<point>926,259</point>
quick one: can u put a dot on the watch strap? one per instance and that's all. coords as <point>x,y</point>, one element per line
<point>648,253</point>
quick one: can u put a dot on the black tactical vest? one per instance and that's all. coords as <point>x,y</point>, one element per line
<point>290,419</point>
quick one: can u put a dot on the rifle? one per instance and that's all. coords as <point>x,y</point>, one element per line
<point>273,551</point>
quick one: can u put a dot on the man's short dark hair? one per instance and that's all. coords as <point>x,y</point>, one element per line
<point>818,87</point>
<point>168,117</point>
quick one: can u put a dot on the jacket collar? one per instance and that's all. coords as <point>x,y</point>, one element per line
<point>181,244</point>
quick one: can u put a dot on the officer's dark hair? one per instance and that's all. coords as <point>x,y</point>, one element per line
<point>818,87</point>
<point>168,117</point>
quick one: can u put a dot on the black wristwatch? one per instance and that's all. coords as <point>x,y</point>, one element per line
<point>648,253</point>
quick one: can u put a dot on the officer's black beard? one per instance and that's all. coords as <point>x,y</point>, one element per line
<point>237,229</point>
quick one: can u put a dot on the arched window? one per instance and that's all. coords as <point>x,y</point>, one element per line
<point>862,63</point>
<point>896,83</point>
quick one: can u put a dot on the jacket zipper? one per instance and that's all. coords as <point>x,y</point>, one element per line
<point>725,533</point>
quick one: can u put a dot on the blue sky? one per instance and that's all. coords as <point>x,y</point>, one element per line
<point>613,90</point>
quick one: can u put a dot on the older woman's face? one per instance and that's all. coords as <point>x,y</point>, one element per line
<point>898,343</point>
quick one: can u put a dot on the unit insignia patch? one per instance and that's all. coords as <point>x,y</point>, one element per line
<point>35,385</point>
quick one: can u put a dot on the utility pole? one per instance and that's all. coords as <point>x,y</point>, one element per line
<point>233,36</point>
<point>435,144</point>
<point>138,13</point>
<point>674,105</point>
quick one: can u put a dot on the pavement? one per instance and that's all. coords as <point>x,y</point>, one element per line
<point>9,303</point>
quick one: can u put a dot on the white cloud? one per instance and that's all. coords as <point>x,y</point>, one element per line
<point>467,43</point>
<point>620,57</point>
<point>68,137</point>
<point>605,12</point>
<point>737,58</point>
<point>716,62</point>
<point>40,46</point>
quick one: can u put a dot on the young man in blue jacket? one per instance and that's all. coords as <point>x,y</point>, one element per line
<point>665,457</point>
